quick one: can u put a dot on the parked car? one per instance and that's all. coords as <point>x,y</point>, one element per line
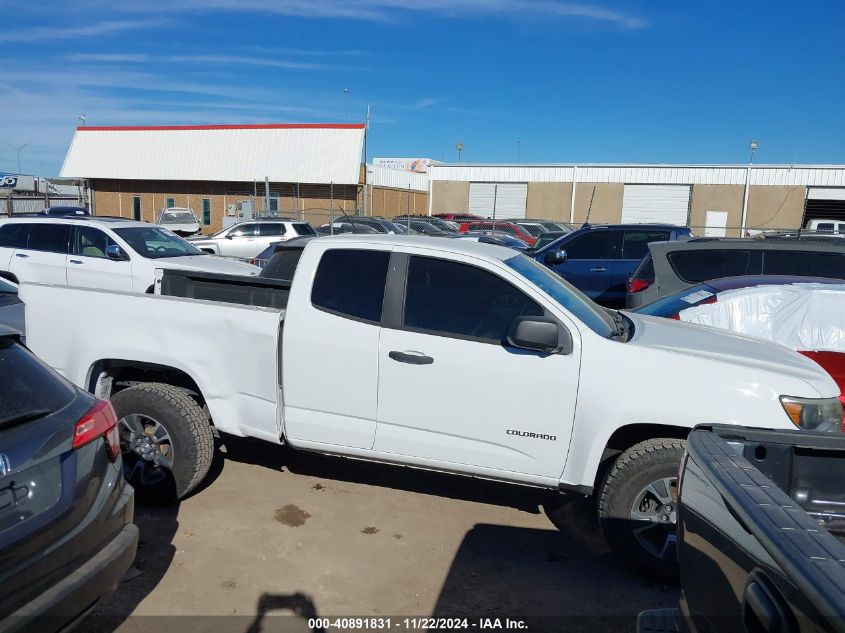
<point>279,260</point>
<point>438,223</point>
<point>425,228</point>
<point>61,211</point>
<point>247,239</point>
<point>668,267</point>
<point>390,316</point>
<point>502,227</point>
<point>96,252</point>
<point>66,531</point>
<point>339,228</point>
<point>543,225</point>
<point>802,330</point>
<point>761,534</point>
<point>380,225</point>
<point>827,227</point>
<point>598,259</point>
<point>459,218</point>
<point>181,221</point>
<point>11,308</point>
<point>493,237</point>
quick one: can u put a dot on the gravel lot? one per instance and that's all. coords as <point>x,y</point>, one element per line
<point>276,532</point>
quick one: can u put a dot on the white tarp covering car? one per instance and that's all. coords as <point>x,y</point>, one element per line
<point>800,316</point>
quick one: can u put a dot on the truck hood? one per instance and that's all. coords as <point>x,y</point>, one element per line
<point>726,347</point>
<point>207,263</point>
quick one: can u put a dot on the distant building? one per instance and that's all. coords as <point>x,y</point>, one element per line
<point>314,172</point>
<point>713,199</point>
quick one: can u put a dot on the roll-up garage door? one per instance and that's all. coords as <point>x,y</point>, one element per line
<point>824,203</point>
<point>509,199</point>
<point>655,203</point>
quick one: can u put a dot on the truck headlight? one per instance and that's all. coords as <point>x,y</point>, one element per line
<point>814,414</point>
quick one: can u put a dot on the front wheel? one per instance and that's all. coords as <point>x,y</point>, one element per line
<point>637,507</point>
<point>165,439</point>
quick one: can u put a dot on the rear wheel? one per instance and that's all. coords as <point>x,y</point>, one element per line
<point>165,439</point>
<point>637,506</point>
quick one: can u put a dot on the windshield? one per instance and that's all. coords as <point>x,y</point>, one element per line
<point>675,303</point>
<point>177,217</point>
<point>155,243</point>
<point>545,239</point>
<point>577,303</point>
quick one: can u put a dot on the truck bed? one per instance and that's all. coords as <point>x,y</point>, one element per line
<point>250,291</point>
<point>761,533</point>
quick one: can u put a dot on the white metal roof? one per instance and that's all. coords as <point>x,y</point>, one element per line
<point>304,153</point>
<point>806,175</point>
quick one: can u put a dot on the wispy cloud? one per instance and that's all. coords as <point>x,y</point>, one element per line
<point>50,33</point>
<point>227,60</point>
<point>393,10</point>
<point>422,104</point>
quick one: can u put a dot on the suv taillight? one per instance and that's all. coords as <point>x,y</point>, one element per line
<point>99,421</point>
<point>638,285</point>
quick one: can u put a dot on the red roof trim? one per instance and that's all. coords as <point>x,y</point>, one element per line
<point>271,126</point>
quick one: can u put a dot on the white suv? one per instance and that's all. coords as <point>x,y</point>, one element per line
<point>247,239</point>
<point>105,253</point>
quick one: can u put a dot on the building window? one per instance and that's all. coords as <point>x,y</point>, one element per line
<point>169,202</point>
<point>136,208</point>
<point>206,211</point>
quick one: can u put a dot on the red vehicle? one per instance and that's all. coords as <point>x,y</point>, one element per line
<point>458,217</point>
<point>832,362</point>
<point>504,227</point>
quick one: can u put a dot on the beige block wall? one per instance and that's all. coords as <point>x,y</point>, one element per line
<point>449,197</point>
<point>706,198</point>
<point>392,202</point>
<point>776,207</point>
<point>549,200</point>
<point>607,202</point>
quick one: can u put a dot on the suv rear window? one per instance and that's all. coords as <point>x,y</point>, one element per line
<point>282,264</point>
<point>52,238</point>
<point>694,266</point>
<point>645,270</point>
<point>804,263</point>
<point>27,384</point>
<point>350,282</point>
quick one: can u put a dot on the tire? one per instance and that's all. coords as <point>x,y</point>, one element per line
<point>176,442</point>
<point>577,519</point>
<point>643,475</point>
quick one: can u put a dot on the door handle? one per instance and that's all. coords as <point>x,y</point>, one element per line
<point>412,358</point>
<point>75,261</point>
<point>21,255</point>
<point>598,270</point>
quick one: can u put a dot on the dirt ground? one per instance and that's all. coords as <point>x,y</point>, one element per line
<point>274,532</point>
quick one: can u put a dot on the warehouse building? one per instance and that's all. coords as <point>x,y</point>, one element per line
<point>227,173</point>
<point>715,200</point>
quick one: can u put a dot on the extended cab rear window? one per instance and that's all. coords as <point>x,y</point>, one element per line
<point>694,266</point>
<point>350,283</point>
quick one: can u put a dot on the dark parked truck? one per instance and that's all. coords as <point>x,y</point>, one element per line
<point>761,533</point>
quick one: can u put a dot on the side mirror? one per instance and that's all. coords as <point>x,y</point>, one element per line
<point>540,334</point>
<point>556,257</point>
<point>113,251</point>
<point>229,236</point>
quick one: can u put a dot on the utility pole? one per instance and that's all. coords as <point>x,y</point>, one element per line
<point>460,148</point>
<point>346,105</point>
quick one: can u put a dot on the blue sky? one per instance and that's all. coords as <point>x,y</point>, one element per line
<point>550,81</point>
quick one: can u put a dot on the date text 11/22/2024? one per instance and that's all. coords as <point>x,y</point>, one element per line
<point>416,623</point>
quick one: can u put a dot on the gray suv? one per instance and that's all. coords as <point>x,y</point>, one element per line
<point>672,266</point>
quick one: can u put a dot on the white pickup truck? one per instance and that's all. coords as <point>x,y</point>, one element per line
<point>439,354</point>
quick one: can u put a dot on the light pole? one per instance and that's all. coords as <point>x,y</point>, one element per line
<point>345,105</point>
<point>518,147</point>
<point>752,147</point>
<point>18,149</point>
<point>81,117</point>
<point>460,148</point>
